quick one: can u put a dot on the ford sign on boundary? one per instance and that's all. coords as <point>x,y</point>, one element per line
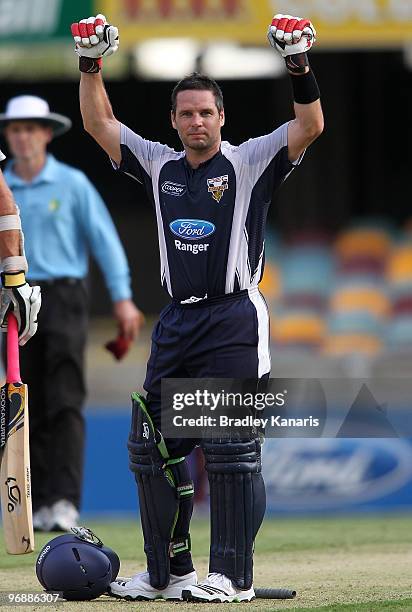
<point>306,475</point>
<point>192,229</point>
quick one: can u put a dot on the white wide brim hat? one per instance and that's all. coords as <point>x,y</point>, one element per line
<point>32,108</point>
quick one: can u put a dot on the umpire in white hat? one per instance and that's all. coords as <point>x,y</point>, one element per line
<point>26,108</point>
<point>63,218</point>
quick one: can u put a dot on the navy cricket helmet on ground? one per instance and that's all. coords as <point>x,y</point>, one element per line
<point>78,565</point>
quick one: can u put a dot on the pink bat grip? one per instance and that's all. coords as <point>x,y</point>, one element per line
<point>13,362</point>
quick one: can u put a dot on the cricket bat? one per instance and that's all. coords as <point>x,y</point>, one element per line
<point>15,486</point>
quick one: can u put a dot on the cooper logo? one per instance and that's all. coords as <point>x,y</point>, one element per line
<point>192,229</point>
<point>173,189</point>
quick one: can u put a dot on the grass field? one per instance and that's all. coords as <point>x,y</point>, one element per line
<point>341,564</point>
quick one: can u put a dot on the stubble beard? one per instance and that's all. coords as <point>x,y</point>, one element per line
<point>200,145</point>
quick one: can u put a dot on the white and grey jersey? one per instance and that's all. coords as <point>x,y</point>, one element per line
<point>211,221</point>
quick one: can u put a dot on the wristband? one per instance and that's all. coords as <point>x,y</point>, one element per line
<point>91,65</point>
<point>13,279</point>
<point>14,262</point>
<point>10,222</point>
<point>297,63</point>
<point>305,88</point>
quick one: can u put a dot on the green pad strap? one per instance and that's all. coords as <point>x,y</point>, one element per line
<point>180,545</point>
<point>161,445</point>
<point>185,490</point>
<point>174,461</point>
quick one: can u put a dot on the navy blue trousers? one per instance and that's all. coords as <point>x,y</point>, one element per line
<point>223,337</point>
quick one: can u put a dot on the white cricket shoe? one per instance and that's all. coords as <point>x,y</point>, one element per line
<point>42,519</point>
<point>138,588</point>
<point>217,588</point>
<point>64,516</point>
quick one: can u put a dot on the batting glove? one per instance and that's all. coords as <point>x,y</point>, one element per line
<point>24,301</point>
<point>94,39</point>
<point>292,37</point>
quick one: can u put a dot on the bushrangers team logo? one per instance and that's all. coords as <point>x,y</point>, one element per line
<point>217,186</point>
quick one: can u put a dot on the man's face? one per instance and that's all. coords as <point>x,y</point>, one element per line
<point>197,119</point>
<point>27,139</point>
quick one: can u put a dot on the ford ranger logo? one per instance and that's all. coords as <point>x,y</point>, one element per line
<point>192,229</point>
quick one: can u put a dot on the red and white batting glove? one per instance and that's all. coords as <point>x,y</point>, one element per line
<point>95,39</point>
<point>292,37</point>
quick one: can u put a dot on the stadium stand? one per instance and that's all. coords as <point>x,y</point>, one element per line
<point>351,296</point>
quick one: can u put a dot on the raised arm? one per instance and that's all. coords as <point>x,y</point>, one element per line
<point>96,39</point>
<point>292,37</point>
<point>98,118</point>
<point>305,128</point>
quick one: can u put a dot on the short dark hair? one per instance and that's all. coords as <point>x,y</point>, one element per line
<point>200,82</point>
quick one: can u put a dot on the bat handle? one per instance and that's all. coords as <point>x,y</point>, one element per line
<point>269,593</point>
<point>13,362</point>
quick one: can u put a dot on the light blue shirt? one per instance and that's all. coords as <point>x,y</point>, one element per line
<point>63,218</point>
